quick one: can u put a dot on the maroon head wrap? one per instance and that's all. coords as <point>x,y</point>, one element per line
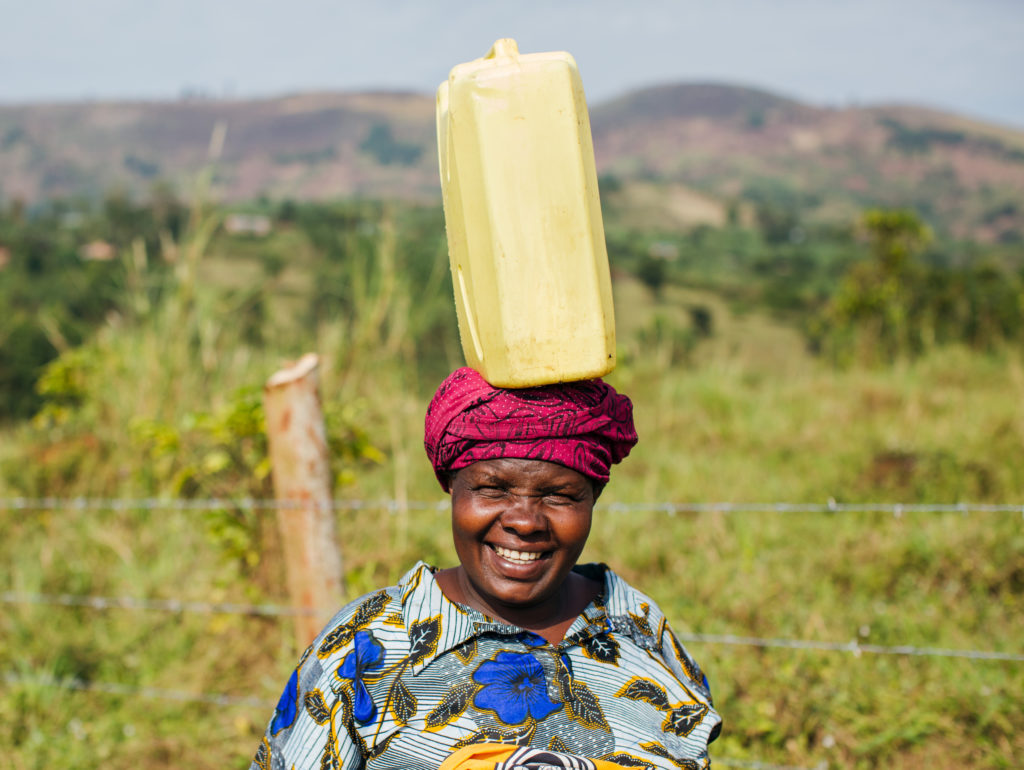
<point>585,426</point>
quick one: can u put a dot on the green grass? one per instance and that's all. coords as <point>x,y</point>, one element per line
<point>939,580</point>
<point>151,406</point>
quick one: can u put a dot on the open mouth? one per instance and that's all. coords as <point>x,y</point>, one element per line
<point>518,557</point>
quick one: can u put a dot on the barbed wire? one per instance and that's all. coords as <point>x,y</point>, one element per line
<point>831,506</point>
<point>220,699</point>
<point>853,646</point>
<point>395,506</point>
<point>115,688</point>
<point>163,605</point>
<point>176,605</point>
<point>392,505</point>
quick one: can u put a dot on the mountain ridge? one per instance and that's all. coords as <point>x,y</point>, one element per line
<point>732,142</point>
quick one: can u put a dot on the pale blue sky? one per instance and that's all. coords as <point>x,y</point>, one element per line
<point>963,55</point>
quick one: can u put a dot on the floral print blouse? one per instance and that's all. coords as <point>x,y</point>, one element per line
<point>403,677</point>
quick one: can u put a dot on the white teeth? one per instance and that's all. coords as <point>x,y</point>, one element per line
<point>522,557</point>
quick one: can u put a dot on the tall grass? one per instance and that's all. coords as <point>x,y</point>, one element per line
<point>165,401</point>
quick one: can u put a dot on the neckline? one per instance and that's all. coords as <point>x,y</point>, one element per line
<point>590,621</point>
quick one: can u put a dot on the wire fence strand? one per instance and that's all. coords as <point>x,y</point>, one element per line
<point>855,647</point>
<point>115,688</point>
<point>831,506</point>
<point>177,605</point>
<point>162,605</point>
<point>174,605</point>
<point>11,678</point>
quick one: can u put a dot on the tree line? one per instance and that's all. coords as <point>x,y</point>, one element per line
<point>870,292</point>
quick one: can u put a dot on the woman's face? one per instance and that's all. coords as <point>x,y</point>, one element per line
<point>519,527</point>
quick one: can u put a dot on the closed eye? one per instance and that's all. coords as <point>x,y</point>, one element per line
<point>490,491</point>
<point>560,499</point>
<point>563,496</point>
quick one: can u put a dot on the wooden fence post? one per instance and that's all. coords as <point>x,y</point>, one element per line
<point>302,483</point>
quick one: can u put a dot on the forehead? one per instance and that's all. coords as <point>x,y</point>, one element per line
<point>521,471</point>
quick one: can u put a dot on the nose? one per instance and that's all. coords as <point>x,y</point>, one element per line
<point>524,516</point>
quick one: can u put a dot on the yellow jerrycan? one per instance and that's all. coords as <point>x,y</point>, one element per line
<point>525,237</point>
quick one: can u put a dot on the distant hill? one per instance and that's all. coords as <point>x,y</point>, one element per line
<point>964,176</point>
<point>720,143</point>
<point>689,101</point>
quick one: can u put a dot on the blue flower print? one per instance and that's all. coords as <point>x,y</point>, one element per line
<point>284,714</point>
<point>367,655</point>
<point>514,688</point>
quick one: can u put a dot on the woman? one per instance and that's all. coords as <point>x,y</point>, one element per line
<point>517,644</point>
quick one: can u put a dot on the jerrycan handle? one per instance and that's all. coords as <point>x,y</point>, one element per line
<point>505,48</point>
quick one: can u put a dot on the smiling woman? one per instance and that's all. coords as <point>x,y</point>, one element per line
<point>517,645</point>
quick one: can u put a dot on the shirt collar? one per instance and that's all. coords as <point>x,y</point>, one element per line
<point>619,607</point>
<point>422,600</point>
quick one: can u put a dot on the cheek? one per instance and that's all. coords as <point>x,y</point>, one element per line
<point>460,534</point>
<point>469,524</point>
<point>576,531</point>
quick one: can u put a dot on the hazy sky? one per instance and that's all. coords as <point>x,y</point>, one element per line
<point>964,55</point>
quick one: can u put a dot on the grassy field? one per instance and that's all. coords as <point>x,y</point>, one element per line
<point>167,405</point>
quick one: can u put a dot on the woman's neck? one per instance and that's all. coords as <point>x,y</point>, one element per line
<point>550,620</point>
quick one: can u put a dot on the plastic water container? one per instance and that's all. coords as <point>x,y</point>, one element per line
<point>523,216</point>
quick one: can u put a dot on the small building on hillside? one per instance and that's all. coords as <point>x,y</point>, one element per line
<point>664,250</point>
<point>247,224</point>
<point>97,251</point>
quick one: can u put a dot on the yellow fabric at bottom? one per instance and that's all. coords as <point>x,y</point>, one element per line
<point>478,756</point>
<point>484,756</point>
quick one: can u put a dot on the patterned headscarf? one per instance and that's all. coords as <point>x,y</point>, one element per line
<point>585,426</point>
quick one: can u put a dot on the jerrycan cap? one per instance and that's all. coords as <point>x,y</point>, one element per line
<point>504,53</point>
<point>503,48</point>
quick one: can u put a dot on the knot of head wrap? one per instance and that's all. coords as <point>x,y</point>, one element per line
<point>586,426</point>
